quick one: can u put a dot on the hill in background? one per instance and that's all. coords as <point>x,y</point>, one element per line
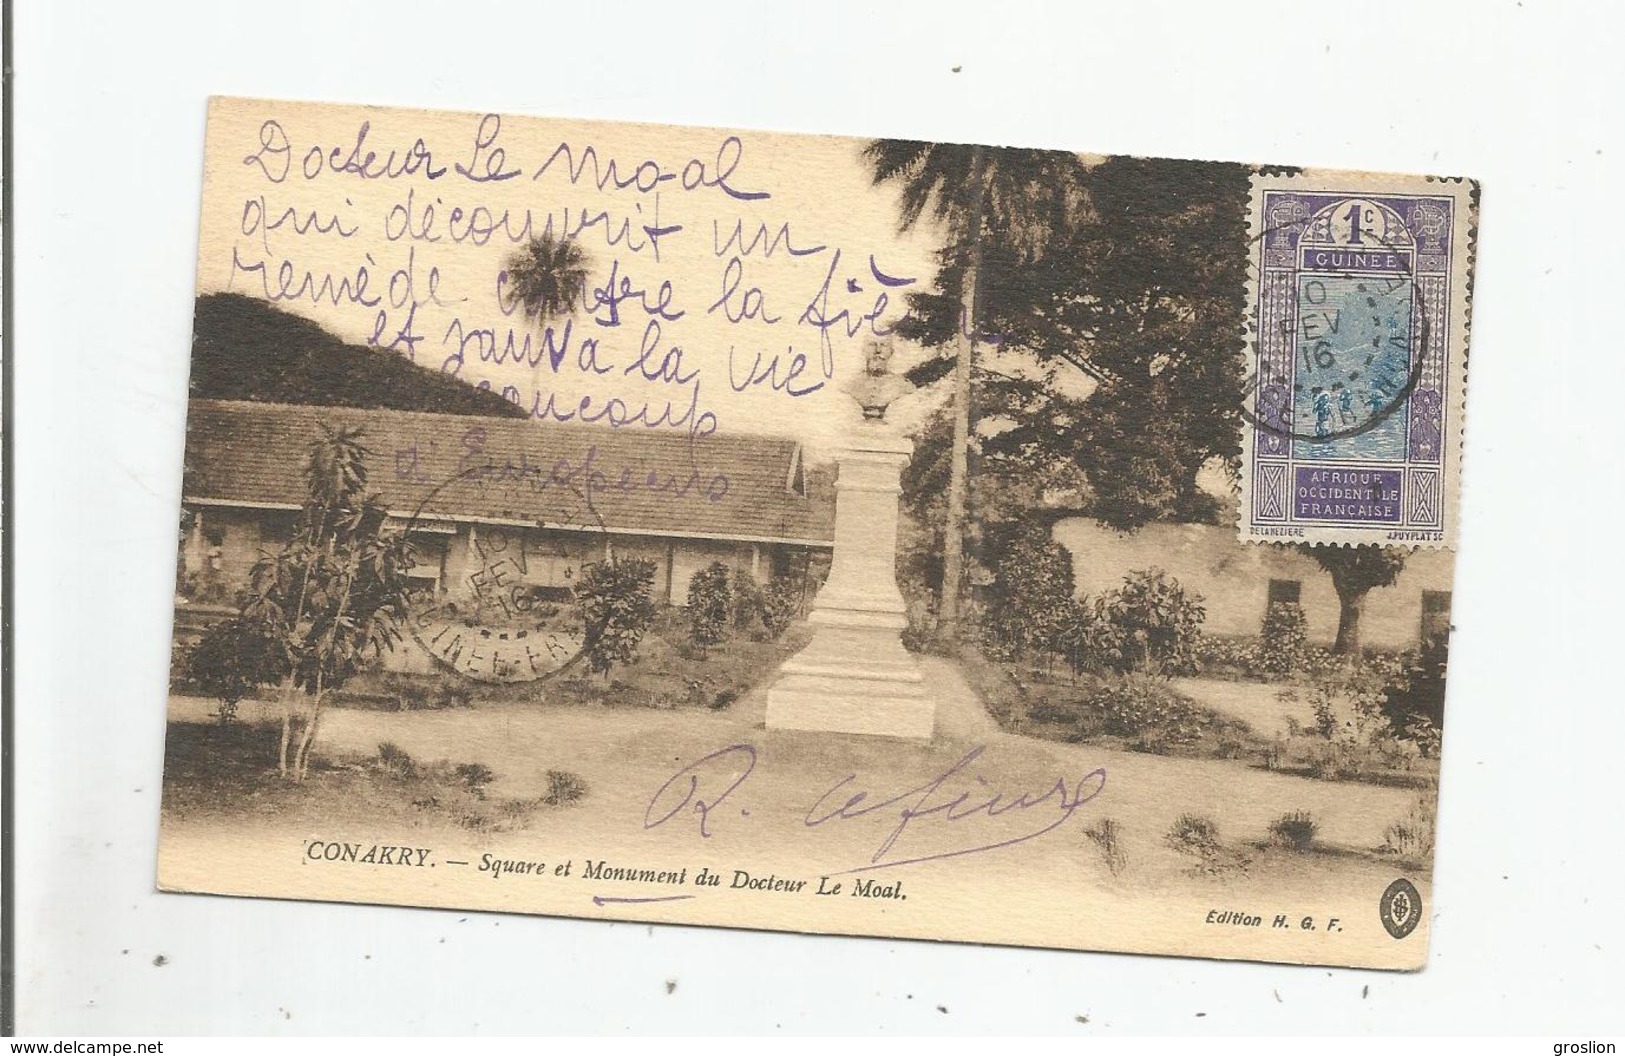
<point>246,349</point>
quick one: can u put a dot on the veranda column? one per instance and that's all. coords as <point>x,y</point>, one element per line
<point>855,676</point>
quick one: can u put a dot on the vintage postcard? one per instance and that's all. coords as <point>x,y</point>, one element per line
<point>868,537</point>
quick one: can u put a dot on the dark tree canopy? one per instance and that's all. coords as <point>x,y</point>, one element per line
<point>1355,572</point>
<point>1359,568</point>
<point>1144,291</point>
<point>247,349</point>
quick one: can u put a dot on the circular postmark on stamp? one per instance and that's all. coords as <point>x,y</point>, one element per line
<point>1400,908</point>
<point>1354,343</point>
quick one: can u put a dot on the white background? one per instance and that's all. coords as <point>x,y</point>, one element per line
<point>1527,934</point>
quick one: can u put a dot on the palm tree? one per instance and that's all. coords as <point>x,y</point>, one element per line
<point>1012,200</point>
<point>545,277</point>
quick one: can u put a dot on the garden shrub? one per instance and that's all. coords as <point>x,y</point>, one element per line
<point>1412,835</point>
<point>1319,662</point>
<point>416,693</point>
<point>1088,639</point>
<point>616,610</point>
<point>781,603</point>
<point>746,601</point>
<point>394,759</point>
<point>1032,606</point>
<point>710,605</point>
<point>1294,831</point>
<point>1158,621</point>
<point>1426,736</point>
<point>1225,654</point>
<point>1279,651</point>
<point>1194,834</point>
<point>1148,710</point>
<point>564,788</point>
<point>474,777</point>
<point>1421,695</point>
<point>1325,714</point>
<point>1284,638</point>
<point>232,659</point>
<point>1360,737</point>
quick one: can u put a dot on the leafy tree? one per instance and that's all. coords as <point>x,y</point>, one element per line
<point>1140,285</point>
<point>1152,304</point>
<point>545,277</point>
<point>617,607</point>
<point>1355,572</point>
<point>1002,203</point>
<point>1006,496</point>
<point>324,608</point>
<point>710,605</point>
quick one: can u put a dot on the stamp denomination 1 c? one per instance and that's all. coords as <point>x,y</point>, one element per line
<point>1358,289</point>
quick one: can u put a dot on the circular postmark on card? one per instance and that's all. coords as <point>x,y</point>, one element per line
<point>1400,908</point>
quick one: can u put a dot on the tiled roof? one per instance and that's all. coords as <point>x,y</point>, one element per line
<point>465,468</point>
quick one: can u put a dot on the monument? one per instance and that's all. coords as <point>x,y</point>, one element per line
<point>855,676</point>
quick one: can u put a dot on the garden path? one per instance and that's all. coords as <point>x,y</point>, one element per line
<point>1255,703</point>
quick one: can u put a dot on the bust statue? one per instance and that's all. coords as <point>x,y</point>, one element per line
<point>877,388</point>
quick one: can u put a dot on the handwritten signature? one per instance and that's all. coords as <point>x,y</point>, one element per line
<point>701,788</point>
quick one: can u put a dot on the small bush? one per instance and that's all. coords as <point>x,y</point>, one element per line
<point>232,660</point>
<point>1284,638</point>
<point>1194,834</point>
<point>1224,655</point>
<point>474,777</point>
<point>1425,735</point>
<point>564,788</point>
<point>710,605</point>
<point>452,696</point>
<point>1030,611</point>
<point>1148,710</point>
<point>1325,717</point>
<point>1294,831</point>
<point>724,699</point>
<point>781,603</point>
<point>1412,835</point>
<point>746,601</point>
<point>1107,836</point>
<point>1158,621</point>
<point>412,693</point>
<point>616,609</point>
<point>393,758</point>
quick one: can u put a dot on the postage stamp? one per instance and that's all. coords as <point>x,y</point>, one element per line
<point>1359,293</point>
<point>815,534</point>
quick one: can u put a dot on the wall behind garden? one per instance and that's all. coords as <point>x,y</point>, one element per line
<point>1234,577</point>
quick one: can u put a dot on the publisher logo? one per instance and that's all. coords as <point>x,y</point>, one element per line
<point>1401,908</point>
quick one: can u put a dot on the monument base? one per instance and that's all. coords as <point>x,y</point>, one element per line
<point>855,676</point>
<point>852,680</point>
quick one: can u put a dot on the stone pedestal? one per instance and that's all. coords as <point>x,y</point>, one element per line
<point>855,676</point>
